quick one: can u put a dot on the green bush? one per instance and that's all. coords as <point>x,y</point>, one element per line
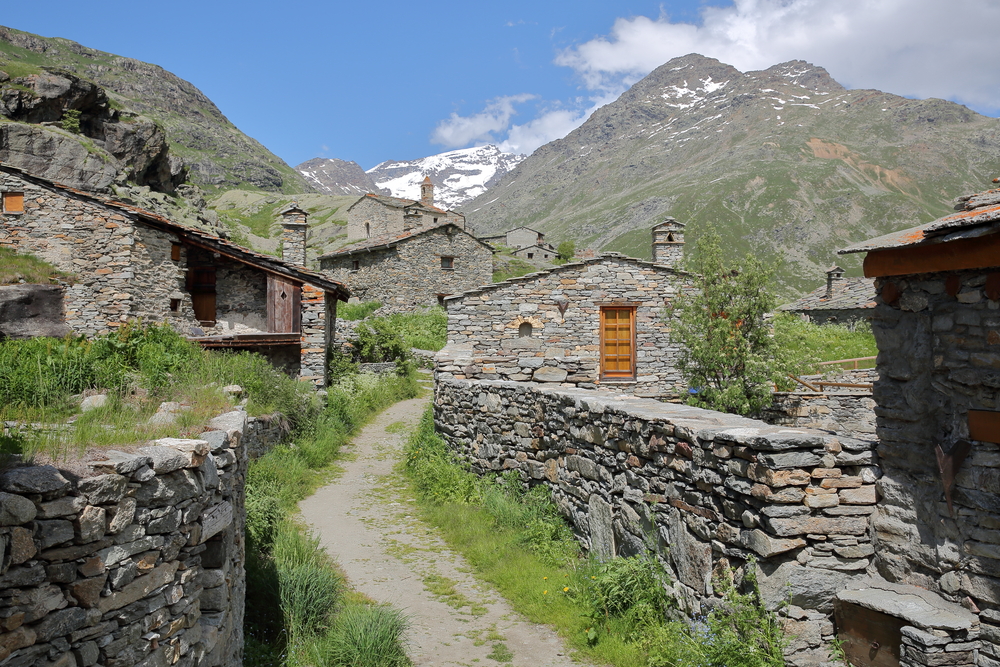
<point>628,588</point>
<point>357,311</point>
<point>367,636</point>
<point>71,121</point>
<point>805,343</point>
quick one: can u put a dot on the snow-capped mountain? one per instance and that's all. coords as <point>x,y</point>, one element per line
<point>337,177</point>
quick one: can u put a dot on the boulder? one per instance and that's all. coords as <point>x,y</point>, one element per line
<point>28,311</point>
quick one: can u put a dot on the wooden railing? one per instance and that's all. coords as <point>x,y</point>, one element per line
<point>846,361</point>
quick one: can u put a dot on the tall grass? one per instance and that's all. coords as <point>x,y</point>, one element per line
<point>805,344</point>
<point>302,613</point>
<point>357,311</point>
<point>619,612</point>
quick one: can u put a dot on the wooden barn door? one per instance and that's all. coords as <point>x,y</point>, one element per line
<point>284,305</point>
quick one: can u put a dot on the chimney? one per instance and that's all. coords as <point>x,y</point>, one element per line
<point>668,243</point>
<point>834,277</point>
<point>427,192</point>
<point>293,235</point>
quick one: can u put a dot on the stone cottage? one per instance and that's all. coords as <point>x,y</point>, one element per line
<point>132,264</point>
<point>519,237</point>
<point>419,267</point>
<point>597,324</point>
<point>937,324</point>
<point>841,301</point>
<point>380,216</point>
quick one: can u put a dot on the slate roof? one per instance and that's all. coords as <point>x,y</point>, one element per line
<point>399,202</point>
<point>389,241</point>
<point>198,237</point>
<point>978,215</point>
<point>563,267</point>
<point>846,294</point>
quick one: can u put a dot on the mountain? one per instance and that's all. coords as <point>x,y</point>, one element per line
<point>458,176</point>
<point>218,156</point>
<point>785,163</point>
<point>337,177</point>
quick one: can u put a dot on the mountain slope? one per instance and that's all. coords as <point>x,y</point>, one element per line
<point>458,176</point>
<point>784,163</point>
<point>218,155</point>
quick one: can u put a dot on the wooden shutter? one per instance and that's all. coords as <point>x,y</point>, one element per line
<point>284,305</point>
<point>618,342</point>
<point>13,202</point>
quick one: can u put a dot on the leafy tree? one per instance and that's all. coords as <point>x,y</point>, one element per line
<point>727,352</point>
<point>566,250</point>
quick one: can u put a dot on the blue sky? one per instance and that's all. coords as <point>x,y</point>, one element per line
<point>401,80</point>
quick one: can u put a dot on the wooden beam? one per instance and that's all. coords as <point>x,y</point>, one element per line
<point>978,253</point>
<point>984,425</point>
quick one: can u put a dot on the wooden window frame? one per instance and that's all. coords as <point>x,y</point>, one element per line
<point>12,195</point>
<point>447,263</point>
<point>617,374</point>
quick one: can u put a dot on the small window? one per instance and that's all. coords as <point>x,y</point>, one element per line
<point>355,265</point>
<point>531,255</point>
<point>435,221</point>
<point>13,202</point>
<point>524,331</point>
<point>670,238</point>
<point>448,263</point>
<point>368,230</point>
<point>175,252</point>
<point>175,305</point>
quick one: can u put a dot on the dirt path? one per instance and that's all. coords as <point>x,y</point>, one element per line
<point>368,522</point>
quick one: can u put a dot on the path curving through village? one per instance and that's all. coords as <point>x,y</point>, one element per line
<point>368,522</point>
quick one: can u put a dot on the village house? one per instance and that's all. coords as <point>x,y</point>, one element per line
<point>381,216</point>
<point>936,525</point>
<point>598,324</point>
<point>132,264</point>
<point>842,300</point>
<point>518,238</point>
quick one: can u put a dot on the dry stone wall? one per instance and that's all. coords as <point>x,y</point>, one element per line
<point>140,563</point>
<point>852,414</point>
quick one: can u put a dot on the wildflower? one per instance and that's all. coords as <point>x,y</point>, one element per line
<point>566,589</point>
<point>545,578</point>
<point>545,592</point>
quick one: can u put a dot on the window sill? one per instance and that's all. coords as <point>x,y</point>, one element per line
<point>13,212</point>
<point>617,379</point>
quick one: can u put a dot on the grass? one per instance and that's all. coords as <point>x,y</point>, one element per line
<point>15,267</point>
<point>618,613</point>
<point>302,613</point>
<point>511,267</point>
<point>807,343</point>
<point>357,311</point>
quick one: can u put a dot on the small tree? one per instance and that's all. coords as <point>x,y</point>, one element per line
<point>728,355</point>
<point>566,250</point>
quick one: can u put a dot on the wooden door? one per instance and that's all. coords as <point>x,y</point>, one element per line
<point>201,284</point>
<point>618,342</point>
<point>284,305</point>
<point>204,307</point>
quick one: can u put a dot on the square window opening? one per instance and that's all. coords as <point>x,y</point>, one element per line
<point>13,202</point>
<point>448,263</point>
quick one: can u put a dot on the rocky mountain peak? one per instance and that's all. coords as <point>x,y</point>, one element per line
<point>338,177</point>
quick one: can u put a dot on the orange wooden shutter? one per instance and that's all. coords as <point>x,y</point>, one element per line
<point>13,202</point>
<point>618,341</point>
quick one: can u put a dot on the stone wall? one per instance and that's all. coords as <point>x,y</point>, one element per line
<point>485,339</point>
<point>410,274</point>
<point>852,414</point>
<point>939,337</point>
<point>319,317</point>
<point>140,562</point>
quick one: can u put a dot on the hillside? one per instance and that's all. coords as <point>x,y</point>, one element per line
<point>217,154</point>
<point>784,163</point>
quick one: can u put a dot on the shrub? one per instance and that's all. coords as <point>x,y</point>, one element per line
<point>633,588</point>
<point>71,121</point>
<point>367,636</point>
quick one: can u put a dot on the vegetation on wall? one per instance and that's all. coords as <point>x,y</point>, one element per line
<point>18,267</point>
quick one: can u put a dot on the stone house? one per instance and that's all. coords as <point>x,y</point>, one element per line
<point>132,264</point>
<point>937,324</point>
<point>419,267</point>
<point>536,254</point>
<point>519,237</point>
<point>597,323</point>
<point>380,216</point>
<point>841,301</point>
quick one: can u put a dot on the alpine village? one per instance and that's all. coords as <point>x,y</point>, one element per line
<point>711,381</point>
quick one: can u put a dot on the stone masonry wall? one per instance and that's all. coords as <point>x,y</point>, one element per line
<point>483,327</point>
<point>939,357</point>
<point>317,312</point>
<point>141,563</point>
<point>712,488</point>
<point>852,414</point>
<point>382,220</point>
<point>410,274</point>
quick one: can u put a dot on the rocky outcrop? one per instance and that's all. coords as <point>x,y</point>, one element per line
<point>27,311</point>
<point>109,144</point>
<point>339,177</point>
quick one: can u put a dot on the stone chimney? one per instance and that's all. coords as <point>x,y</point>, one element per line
<point>427,192</point>
<point>293,235</point>
<point>834,278</point>
<point>668,243</point>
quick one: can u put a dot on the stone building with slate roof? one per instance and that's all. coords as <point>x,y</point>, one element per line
<point>132,264</point>
<point>418,267</point>
<point>597,324</point>
<point>841,301</point>
<point>379,216</point>
<point>935,526</point>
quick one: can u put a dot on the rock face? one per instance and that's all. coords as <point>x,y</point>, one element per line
<point>109,143</point>
<point>338,177</point>
<point>27,311</point>
<point>782,162</point>
<point>219,155</point>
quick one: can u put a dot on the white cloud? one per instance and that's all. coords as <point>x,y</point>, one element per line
<point>481,128</point>
<point>549,126</point>
<point>920,48</point>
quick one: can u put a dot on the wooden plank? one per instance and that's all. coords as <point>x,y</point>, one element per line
<point>984,425</point>
<point>869,638</point>
<point>284,305</point>
<point>978,253</point>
